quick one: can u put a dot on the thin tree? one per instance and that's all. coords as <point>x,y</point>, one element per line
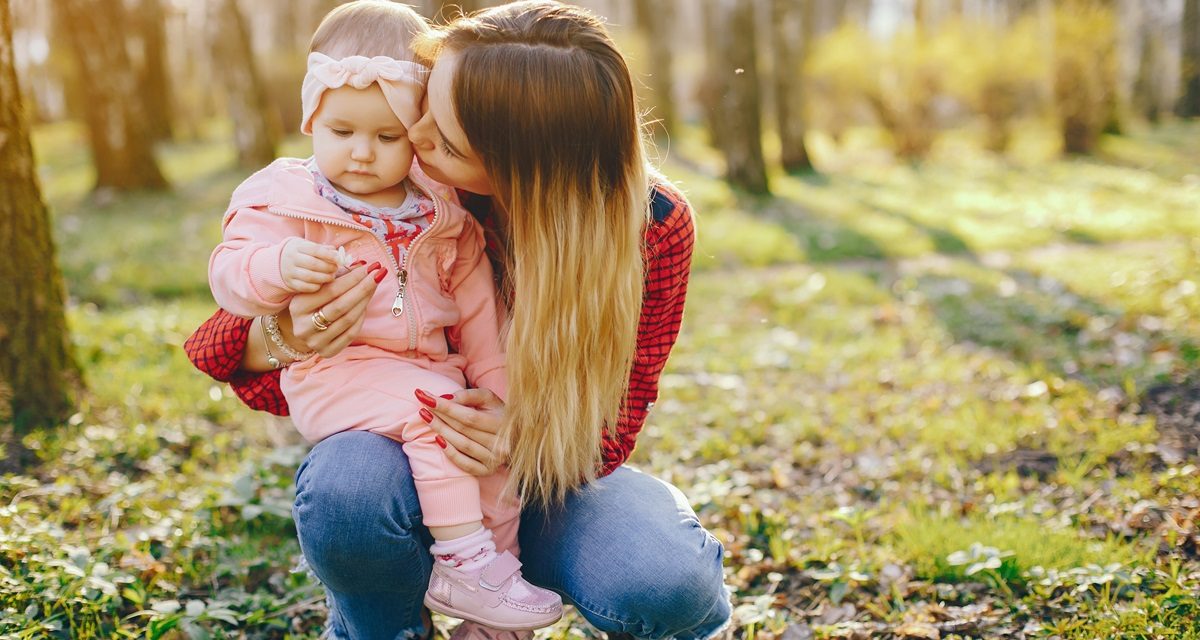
<point>1147,87</point>
<point>1084,72</point>
<point>122,149</point>
<point>255,123</point>
<point>654,19</point>
<point>732,92</point>
<point>793,32</point>
<point>154,87</point>
<point>1189,102</point>
<point>37,372</point>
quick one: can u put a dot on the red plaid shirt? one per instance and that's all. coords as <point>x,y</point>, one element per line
<point>217,346</point>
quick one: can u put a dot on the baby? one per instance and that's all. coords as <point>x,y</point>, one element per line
<point>434,324</point>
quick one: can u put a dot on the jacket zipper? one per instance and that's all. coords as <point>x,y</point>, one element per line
<point>402,276</point>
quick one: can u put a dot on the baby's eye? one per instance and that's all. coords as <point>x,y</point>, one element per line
<point>388,138</point>
<point>341,133</point>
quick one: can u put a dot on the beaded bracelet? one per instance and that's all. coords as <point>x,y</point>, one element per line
<point>271,326</point>
<point>275,363</point>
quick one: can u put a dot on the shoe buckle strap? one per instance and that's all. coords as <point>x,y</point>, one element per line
<point>498,572</point>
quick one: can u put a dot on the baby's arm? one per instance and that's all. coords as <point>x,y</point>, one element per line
<point>477,334</point>
<point>263,260</point>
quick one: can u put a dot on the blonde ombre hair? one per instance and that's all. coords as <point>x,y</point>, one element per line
<point>547,102</point>
<point>369,28</point>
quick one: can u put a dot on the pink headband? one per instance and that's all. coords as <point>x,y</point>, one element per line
<point>402,82</point>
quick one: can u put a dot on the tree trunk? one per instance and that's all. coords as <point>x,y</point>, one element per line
<point>1147,90</point>
<point>1189,102</point>
<point>654,20</point>
<point>793,34</point>
<point>122,149</point>
<point>255,122</point>
<point>710,87</point>
<point>154,85</point>
<point>733,92</point>
<point>37,372</point>
<point>1084,73</point>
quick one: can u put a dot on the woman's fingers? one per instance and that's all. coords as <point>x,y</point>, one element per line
<point>478,398</point>
<point>342,304</point>
<point>468,416</point>
<point>477,428</point>
<point>478,463</point>
<point>466,463</point>
<point>342,293</point>
<point>464,445</point>
<point>344,330</point>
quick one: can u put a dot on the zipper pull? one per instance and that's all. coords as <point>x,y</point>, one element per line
<point>398,303</point>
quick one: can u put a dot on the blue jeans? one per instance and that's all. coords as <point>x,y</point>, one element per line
<point>627,550</point>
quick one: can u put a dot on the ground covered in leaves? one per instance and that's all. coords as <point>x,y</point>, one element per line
<point>955,400</point>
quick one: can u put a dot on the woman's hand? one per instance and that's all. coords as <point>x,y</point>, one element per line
<point>469,423</point>
<point>343,305</point>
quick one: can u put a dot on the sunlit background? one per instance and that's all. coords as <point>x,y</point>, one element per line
<point>939,374</point>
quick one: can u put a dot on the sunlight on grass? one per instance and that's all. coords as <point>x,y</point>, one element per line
<point>927,541</point>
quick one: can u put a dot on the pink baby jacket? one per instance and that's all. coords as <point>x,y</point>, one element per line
<point>439,304</point>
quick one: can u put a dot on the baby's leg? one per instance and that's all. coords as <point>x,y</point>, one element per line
<point>470,579</point>
<point>501,511</point>
<point>368,389</point>
<point>449,496</point>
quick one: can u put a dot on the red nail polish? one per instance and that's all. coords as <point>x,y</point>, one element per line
<point>380,275</point>
<point>440,441</point>
<point>357,263</point>
<point>425,398</point>
<point>374,266</point>
<point>448,396</point>
<point>426,415</point>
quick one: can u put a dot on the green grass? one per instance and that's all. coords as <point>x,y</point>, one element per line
<point>863,353</point>
<point>927,541</point>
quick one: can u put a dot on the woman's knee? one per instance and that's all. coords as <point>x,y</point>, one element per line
<point>356,509</point>
<point>686,593</point>
<point>676,593</point>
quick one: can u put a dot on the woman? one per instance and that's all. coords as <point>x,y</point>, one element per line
<point>531,104</point>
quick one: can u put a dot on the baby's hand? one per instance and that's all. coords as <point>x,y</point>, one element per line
<point>306,265</point>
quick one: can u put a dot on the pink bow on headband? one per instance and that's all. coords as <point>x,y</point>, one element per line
<point>402,82</point>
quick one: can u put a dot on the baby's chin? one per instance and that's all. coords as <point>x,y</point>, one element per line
<point>369,190</point>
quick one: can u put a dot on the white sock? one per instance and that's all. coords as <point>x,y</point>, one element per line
<point>470,553</point>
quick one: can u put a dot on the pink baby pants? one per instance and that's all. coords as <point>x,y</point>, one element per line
<point>369,389</point>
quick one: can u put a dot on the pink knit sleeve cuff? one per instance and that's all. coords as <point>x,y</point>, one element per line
<point>266,275</point>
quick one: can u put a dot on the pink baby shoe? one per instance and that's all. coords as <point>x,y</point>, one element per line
<point>498,597</point>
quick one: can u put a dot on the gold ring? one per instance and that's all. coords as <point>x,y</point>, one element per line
<point>319,320</point>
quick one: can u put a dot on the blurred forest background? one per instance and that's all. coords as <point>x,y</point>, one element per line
<point>937,378</point>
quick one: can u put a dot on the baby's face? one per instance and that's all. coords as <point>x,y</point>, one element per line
<point>361,146</point>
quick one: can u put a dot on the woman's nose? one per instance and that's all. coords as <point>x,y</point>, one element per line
<point>419,133</point>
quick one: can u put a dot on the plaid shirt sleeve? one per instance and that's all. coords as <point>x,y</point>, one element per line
<point>216,348</point>
<point>668,253</point>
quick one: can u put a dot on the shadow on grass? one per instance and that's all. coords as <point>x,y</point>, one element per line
<point>1031,318</point>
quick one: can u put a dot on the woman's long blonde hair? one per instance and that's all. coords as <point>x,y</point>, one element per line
<point>547,102</point>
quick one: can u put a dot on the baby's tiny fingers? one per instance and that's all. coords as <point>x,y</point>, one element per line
<point>314,263</point>
<point>313,277</point>
<point>302,286</point>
